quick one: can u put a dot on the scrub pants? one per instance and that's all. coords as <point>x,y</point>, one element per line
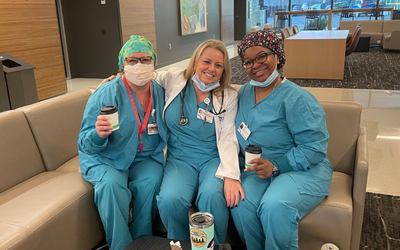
<point>113,194</point>
<point>267,218</point>
<point>181,183</point>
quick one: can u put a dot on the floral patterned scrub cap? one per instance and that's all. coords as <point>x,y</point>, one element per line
<point>135,44</point>
<point>265,39</point>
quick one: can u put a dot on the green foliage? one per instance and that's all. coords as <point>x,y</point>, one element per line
<point>322,24</point>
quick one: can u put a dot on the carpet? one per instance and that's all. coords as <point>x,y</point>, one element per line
<point>376,69</point>
<point>381,223</point>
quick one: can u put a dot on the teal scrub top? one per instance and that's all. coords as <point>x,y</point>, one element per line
<point>120,149</point>
<point>196,142</point>
<point>289,125</point>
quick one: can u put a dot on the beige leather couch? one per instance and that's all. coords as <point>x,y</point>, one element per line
<point>45,203</point>
<point>391,35</point>
<point>372,28</point>
<point>381,31</point>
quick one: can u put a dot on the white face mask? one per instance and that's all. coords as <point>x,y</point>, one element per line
<point>139,74</point>
<point>202,86</point>
<point>270,79</point>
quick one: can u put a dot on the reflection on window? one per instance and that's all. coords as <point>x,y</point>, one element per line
<point>262,11</point>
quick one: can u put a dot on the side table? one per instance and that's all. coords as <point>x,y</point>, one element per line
<point>363,43</point>
<point>161,243</point>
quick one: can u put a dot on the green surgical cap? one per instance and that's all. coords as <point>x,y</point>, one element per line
<point>135,44</point>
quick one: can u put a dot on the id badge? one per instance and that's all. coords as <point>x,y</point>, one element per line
<point>152,129</point>
<point>244,130</point>
<point>205,115</point>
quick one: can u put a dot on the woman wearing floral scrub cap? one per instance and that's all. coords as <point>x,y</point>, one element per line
<point>293,174</point>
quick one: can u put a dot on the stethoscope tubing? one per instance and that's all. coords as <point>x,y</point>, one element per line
<point>184,120</point>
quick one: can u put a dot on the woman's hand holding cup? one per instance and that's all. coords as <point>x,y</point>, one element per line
<point>262,167</point>
<point>103,126</point>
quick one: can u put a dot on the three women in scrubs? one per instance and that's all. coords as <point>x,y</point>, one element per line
<point>126,163</point>
<point>293,174</point>
<point>202,163</point>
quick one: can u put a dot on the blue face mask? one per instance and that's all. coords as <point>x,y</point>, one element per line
<point>266,83</point>
<point>202,86</point>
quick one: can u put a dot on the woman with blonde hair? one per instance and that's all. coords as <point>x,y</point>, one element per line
<point>202,164</point>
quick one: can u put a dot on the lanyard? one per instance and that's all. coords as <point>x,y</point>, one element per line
<point>142,127</point>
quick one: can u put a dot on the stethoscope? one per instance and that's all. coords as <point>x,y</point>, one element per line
<point>183,120</point>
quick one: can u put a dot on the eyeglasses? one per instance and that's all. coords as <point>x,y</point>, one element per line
<point>248,64</point>
<point>142,60</point>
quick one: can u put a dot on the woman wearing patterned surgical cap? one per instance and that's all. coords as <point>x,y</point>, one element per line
<point>293,174</point>
<point>128,162</point>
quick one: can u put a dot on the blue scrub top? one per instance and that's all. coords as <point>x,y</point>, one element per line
<point>196,142</point>
<point>289,125</point>
<point>120,149</point>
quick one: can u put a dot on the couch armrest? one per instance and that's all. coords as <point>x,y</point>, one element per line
<point>360,177</point>
<point>395,39</point>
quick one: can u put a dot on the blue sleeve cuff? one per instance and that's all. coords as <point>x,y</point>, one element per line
<point>282,163</point>
<point>97,139</point>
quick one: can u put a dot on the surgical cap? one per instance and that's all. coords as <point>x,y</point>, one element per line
<point>265,39</point>
<point>135,44</point>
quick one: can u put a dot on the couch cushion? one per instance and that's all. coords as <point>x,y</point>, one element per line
<point>11,235</point>
<point>388,26</point>
<point>60,208</point>
<point>27,185</point>
<point>343,122</point>
<point>374,26</point>
<point>367,26</point>
<point>336,214</point>
<point>20,158</point>
<point>56,124</point>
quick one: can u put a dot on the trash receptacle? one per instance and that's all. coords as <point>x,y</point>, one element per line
<point>4,101</point>
<point>19,81</point>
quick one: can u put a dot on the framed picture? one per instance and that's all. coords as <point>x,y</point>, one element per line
<point>193,16</point>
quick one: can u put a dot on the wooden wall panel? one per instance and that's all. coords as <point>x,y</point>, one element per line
<point>137,18</point>
<point>227,21</point>
<point>29,31</point>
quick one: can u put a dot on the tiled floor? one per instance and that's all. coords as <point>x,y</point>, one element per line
<point>381,116</point>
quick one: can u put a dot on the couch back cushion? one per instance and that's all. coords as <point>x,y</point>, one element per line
<point>388,26</point>
<point>367,26</point>
<point>55,124</point>
<point>19,158</point>
<point>343,122</point>
<point>374,26</point>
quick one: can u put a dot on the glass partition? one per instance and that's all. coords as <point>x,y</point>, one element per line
<point>262,12</point>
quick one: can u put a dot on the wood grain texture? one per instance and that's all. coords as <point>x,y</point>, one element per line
<point>29,31</point>
<point>227,21</point>
<point>316,55</point>
<point>137,18</point>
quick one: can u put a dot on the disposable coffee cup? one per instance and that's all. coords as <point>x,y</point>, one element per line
<point>252,152</point>
<point>112,114</point>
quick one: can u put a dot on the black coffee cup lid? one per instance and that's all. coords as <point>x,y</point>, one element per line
<point>107,110</point>
<point>253,149</point>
